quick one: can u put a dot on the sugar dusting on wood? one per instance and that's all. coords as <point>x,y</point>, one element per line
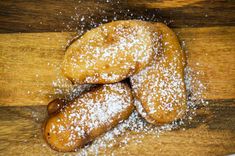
<point>119,137</point>
<point>134,123</point>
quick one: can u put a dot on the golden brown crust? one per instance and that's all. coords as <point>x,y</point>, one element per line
<point>88,116</point>
<point>160,87</point>
<point>142,112</point>
<point>109,53</point>
<point>54,106</point>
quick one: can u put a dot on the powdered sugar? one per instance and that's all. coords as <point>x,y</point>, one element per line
<point>89,115</point>
<point>119,137</point>
<point>135,123</point>
<point>109,53</point>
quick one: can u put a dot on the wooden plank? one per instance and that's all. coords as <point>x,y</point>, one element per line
<point>211,132</point>
<point>29,65</point>
<point>211,52</point>
<point>30,61</point>
<point>44,16</point>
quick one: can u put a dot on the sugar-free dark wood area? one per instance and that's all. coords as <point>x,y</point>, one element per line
<point>44,16</point>
<point>30,60</point>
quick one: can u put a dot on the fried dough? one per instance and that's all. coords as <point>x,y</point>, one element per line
<point>88,116</point>
<point>160,89</point>
<point>54,106</point>
<point>109,53</point>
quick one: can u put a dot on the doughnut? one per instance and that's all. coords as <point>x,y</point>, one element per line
<point>159,89</point>
<point>88,116</point>
<point>109,53</point>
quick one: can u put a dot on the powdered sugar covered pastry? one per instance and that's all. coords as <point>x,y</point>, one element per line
<point>109,53</point>
<point>159,88</point>
<point>88,116</point>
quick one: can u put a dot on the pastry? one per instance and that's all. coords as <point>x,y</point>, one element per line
<point>91,114</point>
<point>159,89</point>
<point>109,53</point>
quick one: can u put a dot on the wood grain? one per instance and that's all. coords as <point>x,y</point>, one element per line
<point>210,132</point>
<point>29,67</point>
<point>48,16</point>
<point>30,63</point>
<point>211,52</point>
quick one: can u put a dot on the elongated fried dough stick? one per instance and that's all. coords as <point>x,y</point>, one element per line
<point>88,116</point>
<point>159,88</point>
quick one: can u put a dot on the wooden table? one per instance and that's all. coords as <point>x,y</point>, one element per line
<point>32,40</point>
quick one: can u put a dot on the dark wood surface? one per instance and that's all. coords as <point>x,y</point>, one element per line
<point>206,27</point>
<point>47,16</point>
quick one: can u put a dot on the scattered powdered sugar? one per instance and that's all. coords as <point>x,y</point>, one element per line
<point>85,116</point>
<point>110,52</point>
<point>118,136</point>
<point>195,89</point>
<point>160,87</point>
